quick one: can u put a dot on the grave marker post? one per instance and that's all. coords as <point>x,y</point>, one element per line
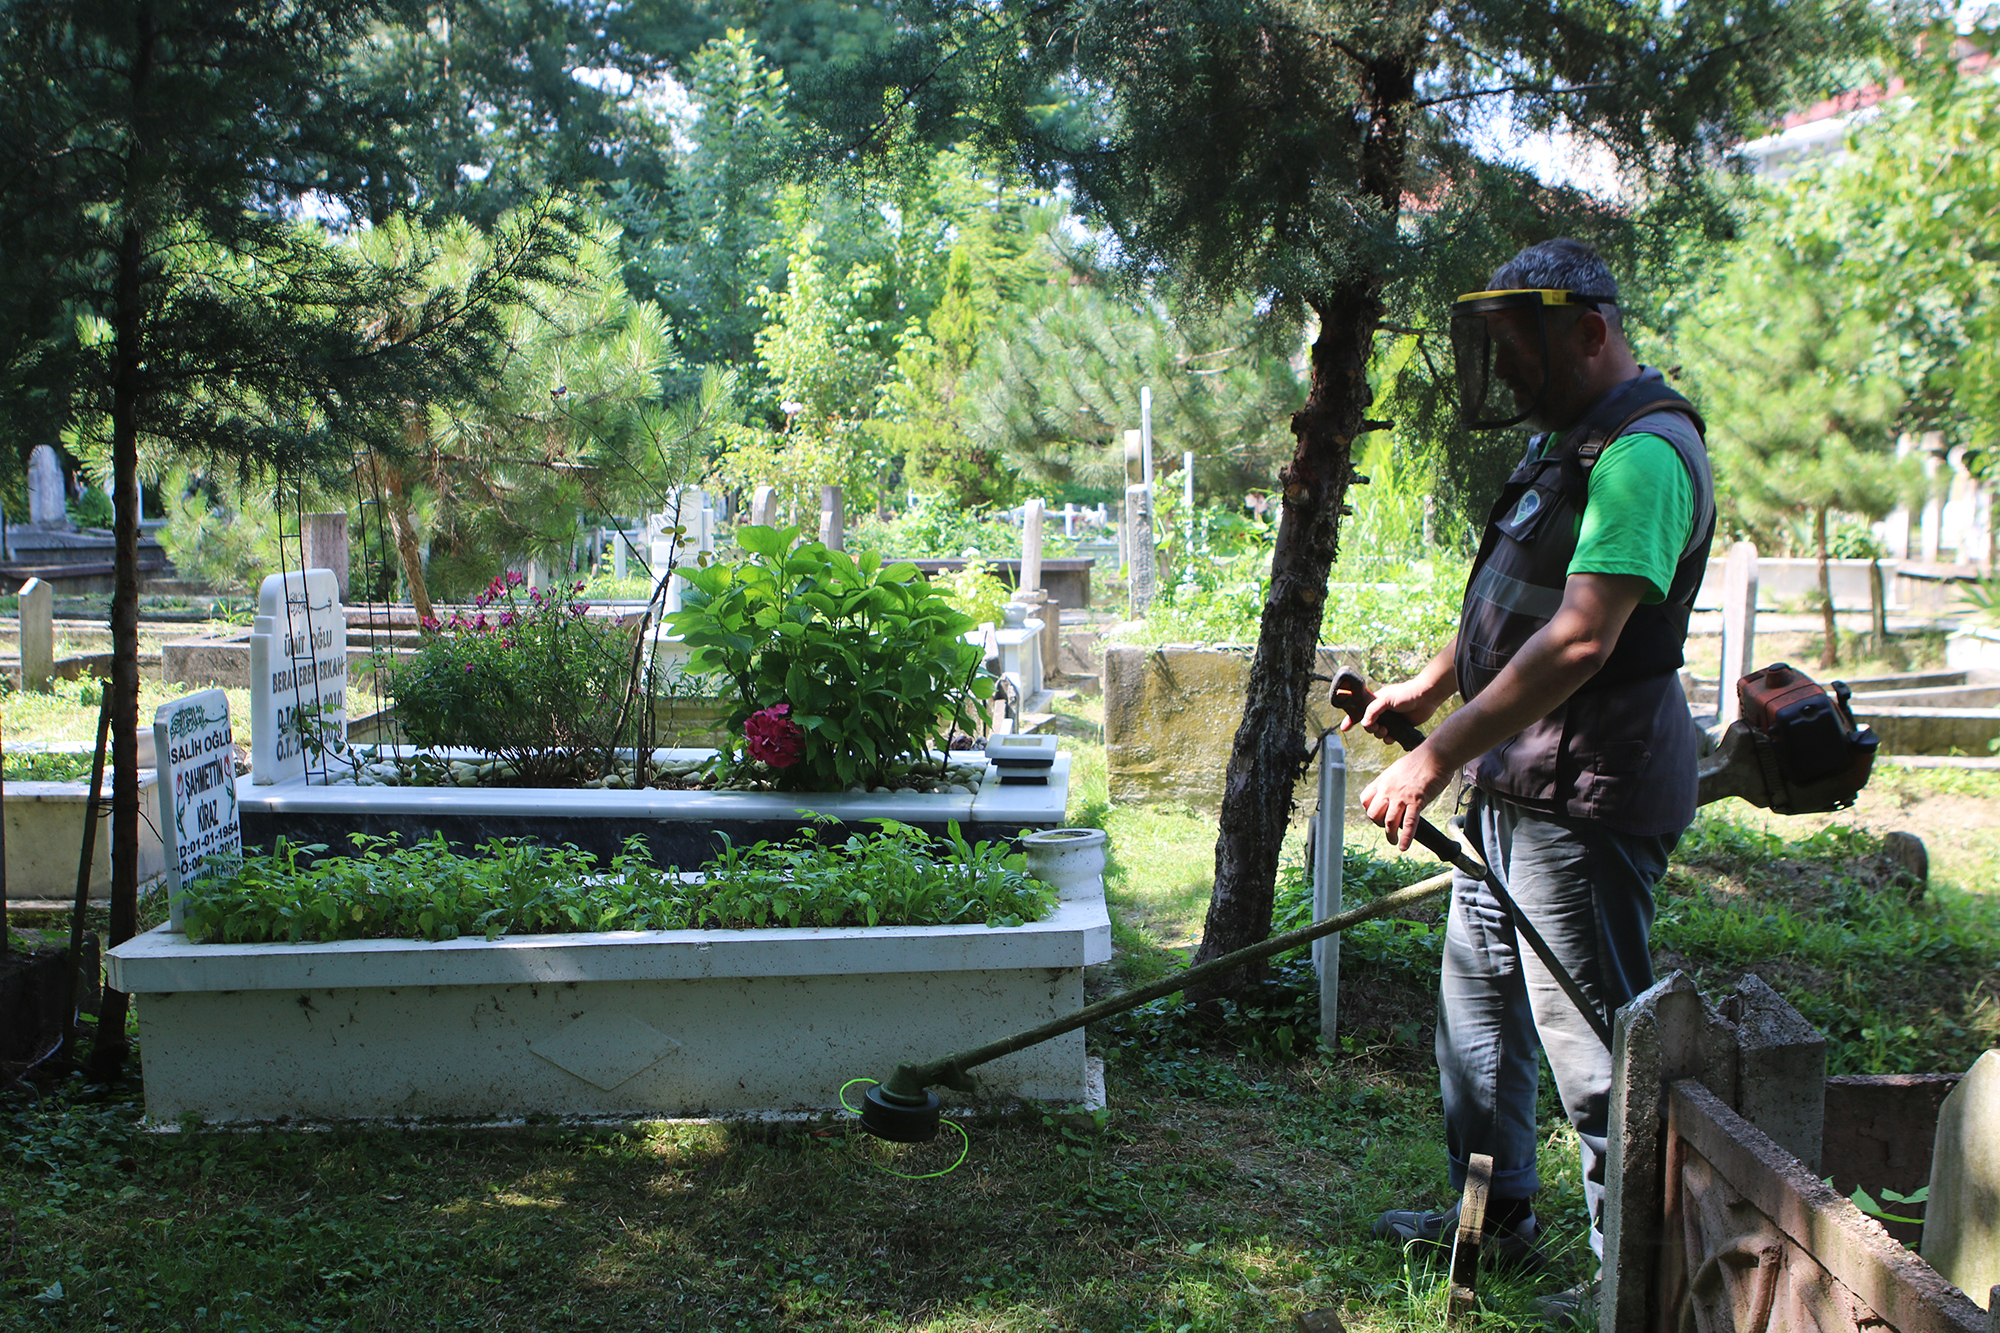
<point>38,636</point>
<point>1139,548</point>
<point>832,518</point>
<point>325,542</point>
<point>1031,546</point>
<point>764,507</point>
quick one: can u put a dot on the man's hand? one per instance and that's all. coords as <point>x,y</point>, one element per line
<point>1396,799</point>
<point>1412,698</point>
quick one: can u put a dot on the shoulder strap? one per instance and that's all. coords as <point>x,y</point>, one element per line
<point>1582,455</point>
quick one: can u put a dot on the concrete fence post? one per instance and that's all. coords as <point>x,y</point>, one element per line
<point>1739,627</point>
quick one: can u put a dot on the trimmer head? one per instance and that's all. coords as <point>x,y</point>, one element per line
<point>898,1119</point>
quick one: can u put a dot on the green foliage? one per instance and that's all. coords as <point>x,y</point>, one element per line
<point>1784,361</point>
<point>976,592</point>
<point>37,766</point>
<point>1053,393</point>
<point>1892,979</point>
<point>703,249</point>
<point>892,877</point>
<point>534,680</point>
<point>867,657</point>
<point>91,510</point>
<point>1395,615</point>
<point>937,527</point>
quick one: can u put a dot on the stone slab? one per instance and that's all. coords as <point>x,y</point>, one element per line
<point>1962,1218</point>
<point>207,661</point>
<point>1171,716</point>
<point>681,828</point>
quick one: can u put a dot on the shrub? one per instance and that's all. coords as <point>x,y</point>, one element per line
<point>533,680</point>
<point>865,662</point>
<point>512,885</point>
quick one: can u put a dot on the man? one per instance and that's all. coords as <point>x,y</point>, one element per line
<point>1574,736</point>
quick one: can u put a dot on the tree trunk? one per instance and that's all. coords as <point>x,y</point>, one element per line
<point>1829,655</point>
<point>108,1057</point>
<point>1271,749</point>
<point>408,551</point>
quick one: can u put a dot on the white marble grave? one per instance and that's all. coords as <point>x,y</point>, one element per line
<point>298,672</point>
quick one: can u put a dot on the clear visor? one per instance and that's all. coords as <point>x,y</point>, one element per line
<point>1524,316</point>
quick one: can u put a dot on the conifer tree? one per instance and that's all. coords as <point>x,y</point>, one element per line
<point>1327,157</point>
<point>157,159</point>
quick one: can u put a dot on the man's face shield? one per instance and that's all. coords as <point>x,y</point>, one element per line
<point>1503,336</point>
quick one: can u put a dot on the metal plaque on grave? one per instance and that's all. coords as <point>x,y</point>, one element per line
<point>198,816</point>
<point>298,673</point>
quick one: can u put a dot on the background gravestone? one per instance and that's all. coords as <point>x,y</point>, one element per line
<point>198,814</point>
<point>1962,1216</point>
<point>48,496</point>
<point>38,636</point>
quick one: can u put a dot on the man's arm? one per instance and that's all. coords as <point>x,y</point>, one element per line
<point>1551,666</point>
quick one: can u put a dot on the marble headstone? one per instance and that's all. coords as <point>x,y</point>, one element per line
<point>48,496</point>
<point>298,672</point>
<point>198,814</point>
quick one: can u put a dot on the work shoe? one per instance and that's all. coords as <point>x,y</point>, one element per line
<point>1508,1245</point>
<point>1575,1308</point>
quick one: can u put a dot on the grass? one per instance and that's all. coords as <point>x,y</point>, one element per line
<point>1227,1188</point>
<point>68,713</point>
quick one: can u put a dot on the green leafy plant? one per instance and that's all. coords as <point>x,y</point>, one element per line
<point>532,679</point>
<point>894,876</point>
<point>56,766</point>
<point>976,591</point>
<point>864,662</point>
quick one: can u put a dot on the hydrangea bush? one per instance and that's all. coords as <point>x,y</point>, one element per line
<point>842,666</point>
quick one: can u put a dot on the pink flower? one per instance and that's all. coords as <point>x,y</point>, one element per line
<point>506,619</point>
<point>774,738</point>
<point>468,668</point>
<point>515,579</point>
<point>431,623</point>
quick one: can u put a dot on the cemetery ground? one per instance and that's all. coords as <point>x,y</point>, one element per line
<point>1230,1184</point>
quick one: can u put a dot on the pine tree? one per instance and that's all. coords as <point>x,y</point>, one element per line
<point>1324,157</point>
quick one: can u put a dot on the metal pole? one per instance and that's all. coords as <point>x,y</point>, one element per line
<point>1329,828</point>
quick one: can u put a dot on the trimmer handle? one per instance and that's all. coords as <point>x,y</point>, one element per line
<point>1352,696</point>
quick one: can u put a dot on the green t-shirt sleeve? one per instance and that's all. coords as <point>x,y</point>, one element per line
<point>1639,516</point>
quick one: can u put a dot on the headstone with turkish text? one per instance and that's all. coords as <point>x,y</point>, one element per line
<point>198,815</point>
<point>298,674</point>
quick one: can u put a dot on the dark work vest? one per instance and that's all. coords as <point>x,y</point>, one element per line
<point>1622,749</point>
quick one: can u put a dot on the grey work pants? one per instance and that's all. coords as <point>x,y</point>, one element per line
<point>1589,891</point>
